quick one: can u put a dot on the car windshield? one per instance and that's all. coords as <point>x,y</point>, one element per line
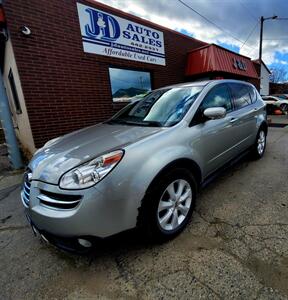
<point>161,108</point>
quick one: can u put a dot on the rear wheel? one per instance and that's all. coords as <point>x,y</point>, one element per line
<point>168,205</point>
<point>260,144</point>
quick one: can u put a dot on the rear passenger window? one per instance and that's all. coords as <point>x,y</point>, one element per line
<point>253,94</point>
<point>243,95</point>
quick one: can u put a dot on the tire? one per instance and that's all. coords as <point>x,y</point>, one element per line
<point>259,147</point>
<point>152,212</point>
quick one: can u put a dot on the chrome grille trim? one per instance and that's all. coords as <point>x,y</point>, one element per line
<point>58,201</point>
<point>26,186</point>
<point>50,200</point>
<point>25,193</point>
<point>24,198</point>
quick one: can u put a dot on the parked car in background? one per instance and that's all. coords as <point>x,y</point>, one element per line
<point>282,96</point>
<point>276,101</point>
<point>143,167</point>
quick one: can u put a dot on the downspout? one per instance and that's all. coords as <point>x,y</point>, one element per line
<point>8,128</point>
<point>5,113</point>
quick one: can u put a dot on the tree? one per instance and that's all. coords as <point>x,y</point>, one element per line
<point>279,74</point>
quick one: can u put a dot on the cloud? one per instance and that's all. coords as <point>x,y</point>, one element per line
<point>281,62</point>
<point>237,18</point>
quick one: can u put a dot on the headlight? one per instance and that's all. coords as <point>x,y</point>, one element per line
<point>90,173</point>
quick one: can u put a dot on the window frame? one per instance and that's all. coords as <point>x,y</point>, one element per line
<point>255,94</point>
<point>14,92</point>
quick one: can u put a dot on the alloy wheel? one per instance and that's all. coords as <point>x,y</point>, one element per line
<point>174,204</point>
<point>261,142</point>
<point>284,107</point>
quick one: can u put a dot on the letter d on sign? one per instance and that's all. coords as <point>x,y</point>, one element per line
<point>102,26</point>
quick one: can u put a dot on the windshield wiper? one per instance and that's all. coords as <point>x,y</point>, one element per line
<point>127,122</point>
<point>116,121</point>
<point>152,123</point>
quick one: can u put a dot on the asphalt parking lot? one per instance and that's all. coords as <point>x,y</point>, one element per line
<point>236,246</point>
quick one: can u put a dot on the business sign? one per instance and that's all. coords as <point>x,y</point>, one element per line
<point>109,35</point>
<point>239,64</point>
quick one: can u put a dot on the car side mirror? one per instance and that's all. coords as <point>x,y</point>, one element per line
<point>214,113</point>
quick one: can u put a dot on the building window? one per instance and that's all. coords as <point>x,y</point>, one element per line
<point>128,84</point>
<point>14,92</point>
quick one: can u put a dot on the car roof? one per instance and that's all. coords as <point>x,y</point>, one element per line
<point>203,83</point>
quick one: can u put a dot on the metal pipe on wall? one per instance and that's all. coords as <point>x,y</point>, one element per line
<point>8,128</point>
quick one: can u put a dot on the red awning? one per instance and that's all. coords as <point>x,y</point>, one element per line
<point>213,58</point>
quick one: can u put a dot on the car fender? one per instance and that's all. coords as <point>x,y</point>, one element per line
<point>152,167</point>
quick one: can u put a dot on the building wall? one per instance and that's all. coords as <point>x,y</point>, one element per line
<point>264,82</point>
<point>278,88</point>
<point>65,88</point>
<point>21,121</point>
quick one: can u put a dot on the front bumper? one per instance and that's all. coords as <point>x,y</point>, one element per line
<point>69,244</point>
<point>94,215</point>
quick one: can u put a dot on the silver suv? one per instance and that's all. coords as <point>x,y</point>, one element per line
<point>142,168</point>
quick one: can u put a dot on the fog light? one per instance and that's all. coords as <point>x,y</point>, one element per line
<point>85,243</point>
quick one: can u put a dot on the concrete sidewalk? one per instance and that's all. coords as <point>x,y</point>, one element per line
<point>4,161</point>
<point>8,177</point>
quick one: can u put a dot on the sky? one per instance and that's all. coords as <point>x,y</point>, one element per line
<point>238,26</point>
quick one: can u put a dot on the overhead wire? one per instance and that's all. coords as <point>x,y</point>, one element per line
<point>249,35</point>
<point>227,32</point>
<point>211,22</point>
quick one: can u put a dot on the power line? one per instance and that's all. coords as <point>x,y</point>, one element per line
<point>285,39</point>
<point>211,22</point>
<point>249,11</point>
<point>251,51</point>
<point>251,32</point>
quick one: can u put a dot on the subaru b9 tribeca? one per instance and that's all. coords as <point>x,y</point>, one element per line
<point>142,168</point>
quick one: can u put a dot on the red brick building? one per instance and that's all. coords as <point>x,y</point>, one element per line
<point>52,64</point>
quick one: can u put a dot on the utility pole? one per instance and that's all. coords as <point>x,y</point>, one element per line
<point>261,40</point>
<point>262,19</point>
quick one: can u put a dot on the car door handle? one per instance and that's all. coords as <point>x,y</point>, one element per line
<point>233,120</point>
<point>253,110</point>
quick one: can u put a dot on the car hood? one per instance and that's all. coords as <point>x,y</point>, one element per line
<point>60,155</point>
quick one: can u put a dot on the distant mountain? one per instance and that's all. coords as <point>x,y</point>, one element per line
<point>127,93</point>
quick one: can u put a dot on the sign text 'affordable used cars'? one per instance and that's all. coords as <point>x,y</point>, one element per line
<point>109,35</point>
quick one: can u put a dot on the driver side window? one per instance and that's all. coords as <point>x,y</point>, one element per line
<point>219,96</point>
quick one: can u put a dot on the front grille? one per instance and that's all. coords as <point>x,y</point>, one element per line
<point>59,201</point>
<point>25,193</point>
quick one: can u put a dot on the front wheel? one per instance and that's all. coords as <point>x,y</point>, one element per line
<point>168,205</point>
<point>284,107</point>
<point>260,144</point>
